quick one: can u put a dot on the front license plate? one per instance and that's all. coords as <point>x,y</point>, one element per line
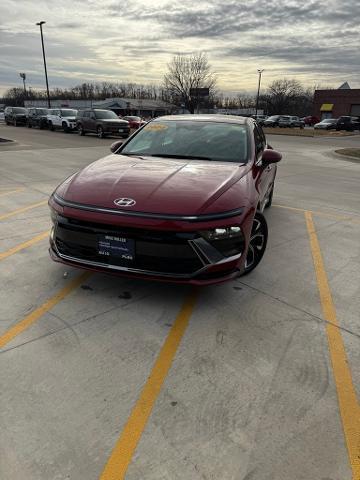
<point>120,247</point>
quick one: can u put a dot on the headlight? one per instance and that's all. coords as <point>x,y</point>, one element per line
<point>221,233</point>
<point>229,241</point>
<point>54,215</point>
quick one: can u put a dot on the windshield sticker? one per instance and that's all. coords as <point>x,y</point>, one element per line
<point>155,127</point>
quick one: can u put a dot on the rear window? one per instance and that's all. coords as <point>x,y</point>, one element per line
<point>19,110</point>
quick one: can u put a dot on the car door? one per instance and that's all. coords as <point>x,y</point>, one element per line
<point>266,175</point>
<point>57,118</point>
<point>92,122</point>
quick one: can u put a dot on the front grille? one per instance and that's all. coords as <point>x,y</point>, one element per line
<point>155,251</point>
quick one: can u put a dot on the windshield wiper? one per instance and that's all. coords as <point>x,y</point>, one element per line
<point>189,157</point>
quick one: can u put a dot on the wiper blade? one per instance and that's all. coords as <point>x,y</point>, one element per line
<point>189,157</point>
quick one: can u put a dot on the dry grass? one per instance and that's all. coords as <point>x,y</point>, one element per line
<point>350,152</point>
<point>306,132</point>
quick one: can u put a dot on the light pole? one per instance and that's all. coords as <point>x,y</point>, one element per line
<point>258,92</point>
<point>23,76</point>
<point>43,50</point>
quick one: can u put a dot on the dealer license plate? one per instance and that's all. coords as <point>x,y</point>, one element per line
<point>120,247</point>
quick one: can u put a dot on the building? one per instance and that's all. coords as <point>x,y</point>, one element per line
<point>121,106</point>
<point>337,102</point>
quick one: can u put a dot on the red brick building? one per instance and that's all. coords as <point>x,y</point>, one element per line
<point>335,103</point>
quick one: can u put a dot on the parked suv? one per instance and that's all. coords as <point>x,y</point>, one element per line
<point>37,117</point>
<point>291,121</point>
<point>101,122</point>
<point>15,116</point>
<point>64,118</point>
<point>272,121</point>
<point>348,123</point>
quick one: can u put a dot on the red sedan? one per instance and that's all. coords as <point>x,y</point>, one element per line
<point>134,122</point>
<point>181,200</point>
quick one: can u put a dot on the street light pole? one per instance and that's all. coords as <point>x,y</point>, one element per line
<point>23,76</point>
<point>258,92</point>
<point>43,50</point>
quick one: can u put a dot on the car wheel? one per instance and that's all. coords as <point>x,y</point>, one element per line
<point>51,126</point>
<point>7,123</point>
<point>100,132</point>
<point>29,125</point>
<point>65,127</point>
<point>81,130</point>
<point>257,243</point>
<point>270,197</point>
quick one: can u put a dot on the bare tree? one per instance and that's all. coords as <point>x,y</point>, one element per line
<point>282,94</point>
<point>186,72</point>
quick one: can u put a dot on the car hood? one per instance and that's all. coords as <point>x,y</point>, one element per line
<point>158,185</point>
<point>71,119</point>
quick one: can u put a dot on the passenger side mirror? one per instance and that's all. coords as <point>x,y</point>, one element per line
<point>270,156</point>
<point>116,145</point>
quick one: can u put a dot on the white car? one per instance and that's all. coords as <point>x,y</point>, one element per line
<point>64,118</point>
<point>2,116</point>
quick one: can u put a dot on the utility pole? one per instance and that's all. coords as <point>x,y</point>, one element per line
<point>258,92</point>
<point>40,24</point>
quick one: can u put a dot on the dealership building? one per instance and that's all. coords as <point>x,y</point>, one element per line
<point>337,102</point>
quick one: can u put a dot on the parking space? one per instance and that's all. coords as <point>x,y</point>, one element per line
<point>104,377</point>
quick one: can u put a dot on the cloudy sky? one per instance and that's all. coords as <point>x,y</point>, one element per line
<point>314,41</point>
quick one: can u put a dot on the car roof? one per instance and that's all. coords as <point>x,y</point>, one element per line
<point>208,118</point>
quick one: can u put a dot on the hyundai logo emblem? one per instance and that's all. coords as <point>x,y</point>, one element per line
<point>124,202</point>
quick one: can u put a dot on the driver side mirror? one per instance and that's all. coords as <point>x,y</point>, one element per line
<point>270,156</point>
<point>116,145</point>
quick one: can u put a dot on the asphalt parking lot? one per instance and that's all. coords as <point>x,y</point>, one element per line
<point>109,378</point>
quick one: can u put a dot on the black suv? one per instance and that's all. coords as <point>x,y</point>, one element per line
<point>15,116</point>
<point>101,122</point>
<point>348,123</point>
<point>37,117</point>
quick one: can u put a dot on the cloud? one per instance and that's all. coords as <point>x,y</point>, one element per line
<point>133,40</point>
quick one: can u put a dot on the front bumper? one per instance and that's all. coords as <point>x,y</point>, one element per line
<point>178,256</point>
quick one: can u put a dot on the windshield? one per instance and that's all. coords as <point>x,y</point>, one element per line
<point>105,114</point>
<point>68,113</point>
<point>19,110</point>
<point>135,119</point>
<point>274,117</point>
<point>191,139</point>
<point>41,111</point>
<point>329,120</point>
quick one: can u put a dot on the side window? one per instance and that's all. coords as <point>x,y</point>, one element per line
<point>86,114</point>
<point>259,139</point>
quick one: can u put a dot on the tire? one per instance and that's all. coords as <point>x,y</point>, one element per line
<point>51,126</point>
<point>7,123</point>
<point>29,125</point>
<point>65,127</point>
<point>270,198</point>
<point>81,131</point>
<point>100,132</point>
<point>257,243</point>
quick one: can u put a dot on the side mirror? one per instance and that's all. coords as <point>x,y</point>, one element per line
<point>116,145</point>
<point>270,156</point>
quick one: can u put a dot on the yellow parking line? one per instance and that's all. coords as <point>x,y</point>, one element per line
<point>348,402</point>
<point>45,307</point>
<point>23,209</point>
<point>24,245</point>
<point>9,192</point>
<point>125,447</point>
<point>321,214</point>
